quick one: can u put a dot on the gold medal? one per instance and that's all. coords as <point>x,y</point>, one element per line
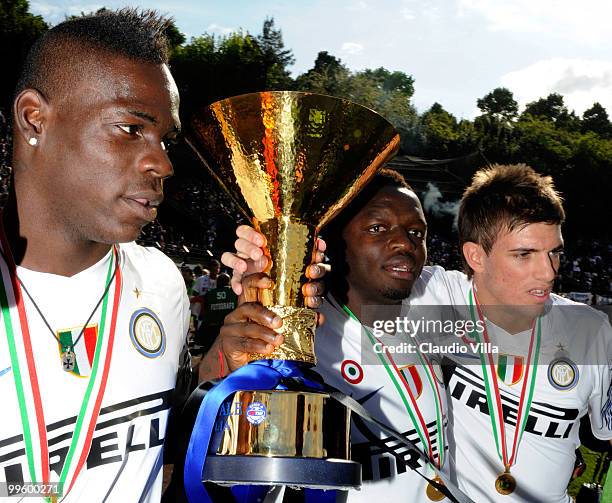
<point>432,493</point>
<point>505,483</point>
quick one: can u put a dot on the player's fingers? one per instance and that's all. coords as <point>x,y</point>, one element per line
<point>247,232</point>
<point>317,271</point>
<point>236,285</point>
<point>321,245</point>
<point>251,284</point>
<point>313,289</point>
<point>246,247</point>
<point>253,311</point>
<point>233,261</point>
<point>237,334</point>
<point>313,302</point>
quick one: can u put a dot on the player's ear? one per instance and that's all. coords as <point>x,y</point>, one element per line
<point>30,113</point>
<point>474,256</point>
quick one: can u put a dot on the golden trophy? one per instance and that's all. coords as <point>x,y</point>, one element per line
<point>290,161</point>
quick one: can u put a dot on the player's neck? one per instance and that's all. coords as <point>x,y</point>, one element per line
<point>37,245</point>
<point>511,319</point>
<point>365,307</point>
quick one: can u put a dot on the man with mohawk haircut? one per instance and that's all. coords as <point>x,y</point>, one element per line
<point>92,325</point>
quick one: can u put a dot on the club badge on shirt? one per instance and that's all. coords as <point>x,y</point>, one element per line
<point>147,333</point>
<point>563,373</point>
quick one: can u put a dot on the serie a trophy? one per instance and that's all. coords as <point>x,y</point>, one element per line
<point>290,161</point>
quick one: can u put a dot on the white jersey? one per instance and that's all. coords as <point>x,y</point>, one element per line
<point>563,393</point>
<point>348,361</point>
<point>124,459</point>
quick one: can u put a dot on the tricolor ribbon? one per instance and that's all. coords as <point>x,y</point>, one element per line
<point>26,377</point>
<point>492,387</point>
<point>408,398</point>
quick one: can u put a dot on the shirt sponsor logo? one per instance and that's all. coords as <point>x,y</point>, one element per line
<point>122,429</point>
<point>546,420</point>
<point>147,333</point>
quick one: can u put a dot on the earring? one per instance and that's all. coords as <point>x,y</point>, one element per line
<point>33,141</point>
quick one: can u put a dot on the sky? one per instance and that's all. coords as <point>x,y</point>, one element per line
<point>456,50</point>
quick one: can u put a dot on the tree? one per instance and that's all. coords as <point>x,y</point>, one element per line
<point>327,76</point>
<point>553,109</point>
<point>18,31</point>
<point>275,57</point>
<point>499,104</point>
<point>596,120</point>
<point>440,132</point>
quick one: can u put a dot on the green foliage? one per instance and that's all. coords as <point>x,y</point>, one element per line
<point>596,120</point>
<point>328,76</point>
<point>499,104</point>
<point>210,68</point>
<point>18,31</point>
<point>275,57</point>
<point>388,93</point>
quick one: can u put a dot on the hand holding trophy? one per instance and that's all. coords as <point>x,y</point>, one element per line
<point>291,161</point>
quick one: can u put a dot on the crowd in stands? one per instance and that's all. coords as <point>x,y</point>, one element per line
<point>586,265</point>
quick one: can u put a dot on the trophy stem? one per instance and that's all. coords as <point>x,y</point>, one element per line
<point>290,242</point>
<point>299,324</point>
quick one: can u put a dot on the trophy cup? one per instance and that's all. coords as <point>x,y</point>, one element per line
<point>290,161</point>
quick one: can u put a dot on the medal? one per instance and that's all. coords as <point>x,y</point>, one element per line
<point>27,386</point>
<point>433,493</point>
<point>68,360</point>
<point>505,483</point>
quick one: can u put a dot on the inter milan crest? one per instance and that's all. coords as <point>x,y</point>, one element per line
<point>510,368</point>
<point>77,352</point>
<point>351,371</point>
<point>147,333</point>
<point>410,373</point>
<point>563,373</point>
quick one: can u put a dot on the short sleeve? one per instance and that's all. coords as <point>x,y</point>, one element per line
<point>600,401</point>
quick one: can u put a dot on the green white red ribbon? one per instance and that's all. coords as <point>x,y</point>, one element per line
<point>498,425</point>
<point>26,379</point>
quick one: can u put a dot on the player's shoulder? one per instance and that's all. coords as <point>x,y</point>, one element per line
<point>438,272</point>
<point>151,263</point>
<point>571,315</point>
<point>446,287</point>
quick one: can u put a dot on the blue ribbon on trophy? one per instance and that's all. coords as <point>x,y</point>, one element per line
<point>258,375</point>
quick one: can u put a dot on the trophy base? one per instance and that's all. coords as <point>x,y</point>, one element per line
<point>313,473</point>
